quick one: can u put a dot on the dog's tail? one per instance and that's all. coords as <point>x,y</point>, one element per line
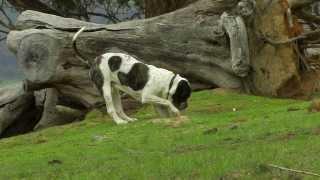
<point>74,44</point>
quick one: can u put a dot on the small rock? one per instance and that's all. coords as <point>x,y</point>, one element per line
<point>54,162</point>
<point>293,109</point>
<point>211,131</point>
<point>99,138</point>
<point>314,106</point>
<point>234,126</point>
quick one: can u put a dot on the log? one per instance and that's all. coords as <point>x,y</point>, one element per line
<point>138,42</point>
<point>18,113</point>
<point>212,43</point>
<point>53,115</point>
<point>22,112</point>
<point>200,56</point>
<point>240,58</point>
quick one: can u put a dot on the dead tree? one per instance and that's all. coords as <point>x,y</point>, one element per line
<point>246,45</point>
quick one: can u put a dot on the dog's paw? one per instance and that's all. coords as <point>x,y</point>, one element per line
<point>177,113</point>
<point>132,119</point>
<point>121,122</point>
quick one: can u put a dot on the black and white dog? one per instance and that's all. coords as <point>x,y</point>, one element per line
<point>114,71</point>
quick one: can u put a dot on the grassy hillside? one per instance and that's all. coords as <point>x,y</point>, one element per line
<point>225,136</point>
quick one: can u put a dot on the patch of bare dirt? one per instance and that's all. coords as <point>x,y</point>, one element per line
<point>190,148</point>
<point>174,122</point>
<point>310,84</point>
<point>210,131</point>
<point>316,131</point>
<point>234,176</point>
<point>240,120</point>
<point>287,136</point>
<point>314,106</point>
<point>224,91</point>
<point>291,109</point>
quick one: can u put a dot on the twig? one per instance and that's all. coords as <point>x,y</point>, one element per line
<point>302,58</point>
<point>4,32</point>
<point>307,16</point>
<point>8,18</point>
<point>4,24</point>
<point>312,41</point>
<point>293,170</point>
<point>2,38</point>
<point>302,36</point>
<point>311,46</point>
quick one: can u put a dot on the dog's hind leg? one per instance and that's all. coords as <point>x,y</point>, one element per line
<point>107,94</point>
<point>118,105</point>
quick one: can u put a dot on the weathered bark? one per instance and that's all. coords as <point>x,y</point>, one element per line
<point>190,41</point>
<point>53,115</point>
<point>22,112</point>
<point>194,41</point>
<point>200,51</point>
<point>212,43</point>
<point>275,68</point>
<point>49,110</point>
<point>18,113</point>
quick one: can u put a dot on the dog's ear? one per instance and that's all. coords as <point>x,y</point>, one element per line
<point>114,63</point>
<point>185,89</point>
<point>182,92</point>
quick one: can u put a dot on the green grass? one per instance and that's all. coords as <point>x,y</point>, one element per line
<point>215,142</point>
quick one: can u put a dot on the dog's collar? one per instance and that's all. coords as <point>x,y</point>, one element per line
<point>171,84</point>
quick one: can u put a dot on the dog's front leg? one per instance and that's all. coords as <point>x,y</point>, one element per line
<point>162,110</point>
<point>118,105</point>
<point>107,94</point>
<point>157,100</point>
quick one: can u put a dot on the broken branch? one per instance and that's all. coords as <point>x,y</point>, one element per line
<point>293,170</point>
<point>302,36</point>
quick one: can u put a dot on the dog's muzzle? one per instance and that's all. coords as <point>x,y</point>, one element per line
<point>183,106</point>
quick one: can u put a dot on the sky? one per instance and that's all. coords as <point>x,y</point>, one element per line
<point>8,64</point>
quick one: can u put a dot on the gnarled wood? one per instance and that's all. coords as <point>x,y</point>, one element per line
<point>212,43</point>
<point>154,41</point>
<point>239,47</point>
<point>53,114</point>
<point>190,41</point>
<point>18,113</point>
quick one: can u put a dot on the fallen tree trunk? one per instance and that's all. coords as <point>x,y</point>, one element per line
<point>22,112</point>
<point>56,64</point>
<point>18,113</point>
<point>213,43</point>
<point>46,56</point>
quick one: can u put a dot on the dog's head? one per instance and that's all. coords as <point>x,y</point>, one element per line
<point>181,94</point>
